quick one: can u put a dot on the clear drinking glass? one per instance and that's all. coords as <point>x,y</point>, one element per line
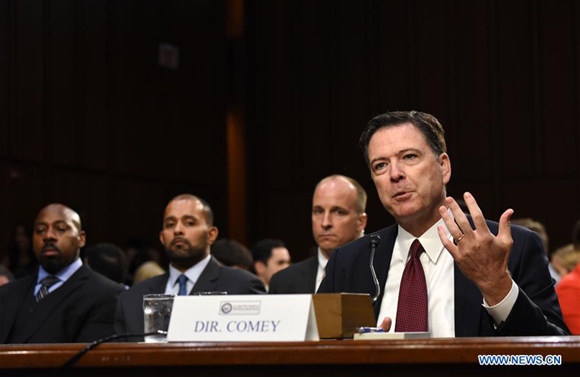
<point>157,312</point>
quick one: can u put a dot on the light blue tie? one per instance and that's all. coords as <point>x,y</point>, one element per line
<point>182,280</point>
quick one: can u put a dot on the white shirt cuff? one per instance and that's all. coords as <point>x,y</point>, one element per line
<point>502,310</point>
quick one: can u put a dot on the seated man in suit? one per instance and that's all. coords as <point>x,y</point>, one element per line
<point>187,236</point>
<point>338,217</point>
<point>439,270</point>
<point>270,256</point>
<point>64,302</point>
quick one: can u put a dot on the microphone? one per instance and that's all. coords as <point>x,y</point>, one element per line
<point>374,242</point>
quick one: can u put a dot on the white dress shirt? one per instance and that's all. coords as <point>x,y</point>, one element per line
<point>193,273</point>
<point>438,266</point>
<point>63,276</point>
<point>322,261</point>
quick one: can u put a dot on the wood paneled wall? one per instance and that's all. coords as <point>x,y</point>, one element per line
<point>501,76</point>
<point>89,118</point>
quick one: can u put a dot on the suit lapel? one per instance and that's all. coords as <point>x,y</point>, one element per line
<point>47,306</point>
<point>382,262</point>
<point>207,279</point>
<point>309,272</point>
<point>158,286</point>
<point>21,289</point>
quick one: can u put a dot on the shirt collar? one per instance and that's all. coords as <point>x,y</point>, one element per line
<point>192,273</point>
<point>429,240</point>
<point>63,274</point>
<point>322,260</point>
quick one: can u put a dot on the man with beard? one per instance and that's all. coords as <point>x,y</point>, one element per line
<point>64,302</point>
<point>187,236</point>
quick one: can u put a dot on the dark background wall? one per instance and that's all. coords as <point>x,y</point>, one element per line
<point>89,118</point>
<point>501,76</point>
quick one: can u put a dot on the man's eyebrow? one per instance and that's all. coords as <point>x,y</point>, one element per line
<point>169,218</point>
<point>378,159</point>
<point>409,150</point>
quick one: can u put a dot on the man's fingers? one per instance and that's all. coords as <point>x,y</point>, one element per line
<point>505,230</point>
<point>460,218</point>
<point>475,212</point>
<point>386,324</point>
<point>450,223</point>
<point>447,242</point>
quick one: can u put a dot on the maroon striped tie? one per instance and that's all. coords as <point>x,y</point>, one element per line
<point>413,304</point>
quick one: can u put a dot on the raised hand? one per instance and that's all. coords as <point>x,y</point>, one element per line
<point>481,256</point>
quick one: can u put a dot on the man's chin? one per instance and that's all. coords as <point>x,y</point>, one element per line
<point>52,266</point>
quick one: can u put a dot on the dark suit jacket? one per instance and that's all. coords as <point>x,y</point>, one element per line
<point>536,311</point>
<point>297,278</point>
<point>214,278</point>
<point>81,310</point>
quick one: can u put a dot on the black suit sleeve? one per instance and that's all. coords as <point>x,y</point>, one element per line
<point>255,286</point>
<point>99,321</point>
<point>536,311</point>
<point>120,327</point>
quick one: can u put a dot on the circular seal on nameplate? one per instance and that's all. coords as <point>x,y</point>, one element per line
<point>226,308</point>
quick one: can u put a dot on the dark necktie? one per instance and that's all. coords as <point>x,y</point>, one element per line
<point>413,304</point>
<point>182,280</point>
<point>46,283</point>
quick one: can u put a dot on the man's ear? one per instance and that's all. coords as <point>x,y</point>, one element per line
<point>82,238</point>
<point>212,235</point>
<point>161,239</point>
<point>445,164</point>
<point>259,267</point>
<point>362,222</point>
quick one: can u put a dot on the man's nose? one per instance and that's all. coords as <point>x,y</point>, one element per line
<point>396,172</point>
<point>326,220</point>
<point>178,229</point>
<point>49,235</point>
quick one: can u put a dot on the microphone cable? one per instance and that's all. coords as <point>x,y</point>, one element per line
<point>109,338</point>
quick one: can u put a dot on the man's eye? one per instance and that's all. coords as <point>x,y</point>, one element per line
<point>190,223</point>
<point>169,225</point>
<point>379,166</point>
<point>40,230</point>
<point>410,156</point>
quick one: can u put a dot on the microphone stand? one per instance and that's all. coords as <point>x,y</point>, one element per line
<point>374,242</point>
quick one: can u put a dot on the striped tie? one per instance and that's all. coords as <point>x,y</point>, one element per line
<point>46,283</point>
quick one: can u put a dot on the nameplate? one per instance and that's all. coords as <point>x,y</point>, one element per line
<point>242,318</point>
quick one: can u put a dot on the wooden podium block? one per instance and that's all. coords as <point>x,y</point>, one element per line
<point>338,315</point>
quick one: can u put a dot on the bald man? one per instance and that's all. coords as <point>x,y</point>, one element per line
<point>338,217</point>
<point>64,302</point>
<point>187,235</point>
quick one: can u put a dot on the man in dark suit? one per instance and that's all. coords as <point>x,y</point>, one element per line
<point>439,270</point>
<point>187,236</point>
<point>338,217</point>
<point>64,302</point>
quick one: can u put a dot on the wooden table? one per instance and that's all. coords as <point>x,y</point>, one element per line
<point>435,357</point>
